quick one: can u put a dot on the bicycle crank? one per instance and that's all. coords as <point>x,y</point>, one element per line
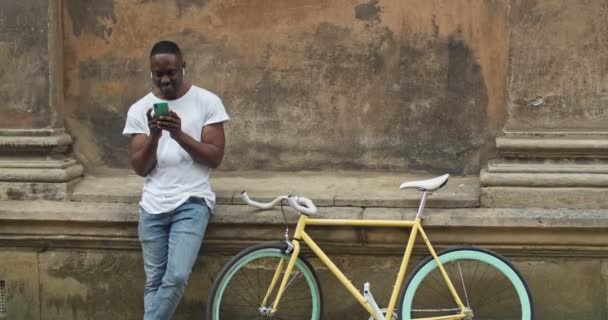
<point>383,311</point>
<point>468,314</point>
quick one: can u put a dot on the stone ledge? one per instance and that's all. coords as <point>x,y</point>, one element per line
<point>346,188</point>
<point>88,212</point>
<point>531,197</point>
<point>526,232</point>
<point>553,144</point>
<point>34,164</point>
<point>64,171</point>
<point>548,170</point>
<point>545,167</point>
<point>542,179</point>
<point>37,141</point>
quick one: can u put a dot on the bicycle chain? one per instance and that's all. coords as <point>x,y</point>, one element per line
<point>436,310</point>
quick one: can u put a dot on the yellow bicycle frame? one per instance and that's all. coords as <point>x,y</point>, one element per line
<point>416,226</point>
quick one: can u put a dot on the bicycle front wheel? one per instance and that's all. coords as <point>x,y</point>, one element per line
<point>487,283</point>
<point>239,290</point>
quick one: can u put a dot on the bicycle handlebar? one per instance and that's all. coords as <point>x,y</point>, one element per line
<point>301,204</point>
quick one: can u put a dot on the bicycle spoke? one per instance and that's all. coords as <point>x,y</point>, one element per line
<point>464,288</point>
<point>248,289</point>
<point>249,282</point>
<point>253,305</point>
<point>438,286</point>
<point>480,283</point>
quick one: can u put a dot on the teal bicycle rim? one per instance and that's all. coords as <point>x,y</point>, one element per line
<point>263,253</point>
<point>468,254</point>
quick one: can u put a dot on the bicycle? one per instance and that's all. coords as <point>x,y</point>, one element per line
<point>486,285</point>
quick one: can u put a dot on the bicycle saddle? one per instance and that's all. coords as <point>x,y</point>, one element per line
<point>427,185</point>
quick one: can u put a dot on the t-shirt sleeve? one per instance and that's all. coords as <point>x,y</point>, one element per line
<point>216,113</point>
<point>137,122</point>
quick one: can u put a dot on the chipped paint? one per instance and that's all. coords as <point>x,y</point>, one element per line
<point>365,85</point>
<point>96,17</point>
<point>559,53</point>
<point>368,11</point>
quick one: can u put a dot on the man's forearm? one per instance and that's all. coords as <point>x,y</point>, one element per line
<point>144,160</point>
<point>203,153</point>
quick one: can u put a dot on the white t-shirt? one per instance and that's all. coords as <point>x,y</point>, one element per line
<point>177,176</point>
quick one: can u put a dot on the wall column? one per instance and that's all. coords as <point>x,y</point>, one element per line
<point>35,160</point>
<point>554,151</point>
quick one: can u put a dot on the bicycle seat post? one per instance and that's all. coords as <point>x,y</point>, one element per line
<point>422,203</point>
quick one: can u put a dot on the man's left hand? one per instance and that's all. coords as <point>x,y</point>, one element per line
<point>171,123</point>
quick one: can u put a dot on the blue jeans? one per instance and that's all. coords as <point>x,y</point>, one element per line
<point>170,243</point>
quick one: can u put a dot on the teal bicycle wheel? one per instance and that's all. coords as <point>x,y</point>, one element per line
<point>240,288</point>
<point>486,282</point>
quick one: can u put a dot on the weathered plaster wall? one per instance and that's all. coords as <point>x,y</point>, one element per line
<point>559,53</point>
<point>392,84</point>
<point>24,71</point>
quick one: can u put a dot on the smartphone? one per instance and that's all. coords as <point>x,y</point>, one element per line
<point>161,109</point>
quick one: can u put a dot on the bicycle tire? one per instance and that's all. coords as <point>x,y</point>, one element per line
<point>502,293</point>
<point>238,291</point>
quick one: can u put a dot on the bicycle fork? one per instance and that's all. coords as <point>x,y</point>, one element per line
<point>285,283</point>
<point>293,250</point>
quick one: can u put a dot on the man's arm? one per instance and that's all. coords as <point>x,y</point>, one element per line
<point>210,152</point>
<point>143,153</point>
<point>143,147</point>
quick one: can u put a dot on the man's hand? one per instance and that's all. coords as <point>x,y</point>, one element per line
<point>171,123</point>
<point>155,129</point>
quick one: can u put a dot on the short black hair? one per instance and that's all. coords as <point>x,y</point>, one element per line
<point>165,47</point>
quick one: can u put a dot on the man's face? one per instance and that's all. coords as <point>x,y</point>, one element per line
<point>167,74</point>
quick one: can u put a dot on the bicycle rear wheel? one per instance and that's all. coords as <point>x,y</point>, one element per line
<point>486,282</point>
<point>240,288</point>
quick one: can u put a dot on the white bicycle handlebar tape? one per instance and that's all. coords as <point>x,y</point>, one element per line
<point>303,205</point>
<point>260,205</point>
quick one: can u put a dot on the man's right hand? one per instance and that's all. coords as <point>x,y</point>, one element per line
<point>143,148</point>
<point>155,130</point>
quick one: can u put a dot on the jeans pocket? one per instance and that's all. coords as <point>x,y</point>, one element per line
<point>198,200</point>
<point>142,211</point>
<point>199,208</point>
<point>143,222</point>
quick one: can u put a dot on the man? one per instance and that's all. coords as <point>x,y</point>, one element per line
<point>175,154</point>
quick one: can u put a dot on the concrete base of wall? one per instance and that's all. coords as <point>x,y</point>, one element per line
<point>75,284</point>
<point>34,165</point>
<point>82,258</point>
<point>547,170</point>
<point>36,190</point>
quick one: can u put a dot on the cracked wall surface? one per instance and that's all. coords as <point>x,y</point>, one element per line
<point>381,85</point>
<point>24,86</point>
<point>558,55</point>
